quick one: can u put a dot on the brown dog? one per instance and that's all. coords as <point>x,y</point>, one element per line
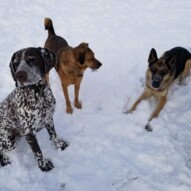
<point>71,62</point>
<point>161,73</point>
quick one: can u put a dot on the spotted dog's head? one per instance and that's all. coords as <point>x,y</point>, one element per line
<point>30,65</point>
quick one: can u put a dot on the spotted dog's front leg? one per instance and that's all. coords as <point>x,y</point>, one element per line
<point>58,143</point>
<point>44,164</point>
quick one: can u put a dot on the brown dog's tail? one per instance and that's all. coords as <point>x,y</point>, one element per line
<point>49,26</point>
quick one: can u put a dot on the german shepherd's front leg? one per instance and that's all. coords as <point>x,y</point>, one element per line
<point>159,107</point>
<point>144,95</point>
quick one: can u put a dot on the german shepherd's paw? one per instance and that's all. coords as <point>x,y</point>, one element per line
<point>148,127</point>
<point>128,112</point>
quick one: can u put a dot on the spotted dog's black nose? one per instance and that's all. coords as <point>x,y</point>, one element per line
<point>21,76</point>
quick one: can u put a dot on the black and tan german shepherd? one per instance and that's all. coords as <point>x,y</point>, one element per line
<point>173,64</point>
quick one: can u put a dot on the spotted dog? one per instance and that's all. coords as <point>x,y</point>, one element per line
<point>30,106</point>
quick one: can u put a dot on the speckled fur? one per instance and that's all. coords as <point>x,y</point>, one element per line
<point>26,111</point>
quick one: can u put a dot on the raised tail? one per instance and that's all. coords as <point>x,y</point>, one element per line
<point>49,26</point>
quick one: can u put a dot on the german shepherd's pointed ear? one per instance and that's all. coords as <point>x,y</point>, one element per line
<point>170,63</point>
<point>152,57</point>
<point>49,58</point>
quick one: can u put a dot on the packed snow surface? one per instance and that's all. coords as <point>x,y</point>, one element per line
<point>109,151</point>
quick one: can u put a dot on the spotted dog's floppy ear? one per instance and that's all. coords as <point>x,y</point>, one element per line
<point>15,63</point>
<point>13,69</point>
<point>49,58</point>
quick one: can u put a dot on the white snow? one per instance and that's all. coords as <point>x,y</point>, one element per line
<point>109,151</point>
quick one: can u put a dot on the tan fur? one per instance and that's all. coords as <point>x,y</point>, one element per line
<point>71,63</point>
<point>186,71</point>
<point>71,71</point>
<point>165,84</point>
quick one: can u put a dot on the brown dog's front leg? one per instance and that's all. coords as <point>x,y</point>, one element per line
<point>159,107</point>
<point>144,95</point>
<point>76,92</point>
<point>68,104</point>
<point>44,164</point>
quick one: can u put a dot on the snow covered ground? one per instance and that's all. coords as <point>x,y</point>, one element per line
<point>109,151</point>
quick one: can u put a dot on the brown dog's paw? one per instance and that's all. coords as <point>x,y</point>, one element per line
<point>69,110</point>
<point>78,105</point>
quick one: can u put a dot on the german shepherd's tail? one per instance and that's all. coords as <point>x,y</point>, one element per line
<point>49,26</point>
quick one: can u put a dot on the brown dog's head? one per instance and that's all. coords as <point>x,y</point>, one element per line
<point>160,72</point>
<point>85,57</point>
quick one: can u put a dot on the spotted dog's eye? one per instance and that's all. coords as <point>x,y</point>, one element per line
<point>30,60</point>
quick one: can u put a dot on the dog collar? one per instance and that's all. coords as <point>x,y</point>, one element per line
<point>80,75</point>
<point>157,90</point>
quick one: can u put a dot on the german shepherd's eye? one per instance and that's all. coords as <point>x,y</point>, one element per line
<point>153,70</point>
<point>163,73</point>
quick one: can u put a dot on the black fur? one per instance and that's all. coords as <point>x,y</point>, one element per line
<point>181,55</point>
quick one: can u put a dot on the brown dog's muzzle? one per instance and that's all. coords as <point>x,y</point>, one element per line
<point>21,76</point>
<point>97,64</point>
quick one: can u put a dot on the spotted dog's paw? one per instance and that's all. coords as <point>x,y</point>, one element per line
<point>45,165</point>
<point>61,144</point>
<point>4,160</point>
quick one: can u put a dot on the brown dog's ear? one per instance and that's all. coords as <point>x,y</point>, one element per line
<point>81,57</point>
<point>152,57</point>
<point>84,45</point>
<point>49,58</point>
